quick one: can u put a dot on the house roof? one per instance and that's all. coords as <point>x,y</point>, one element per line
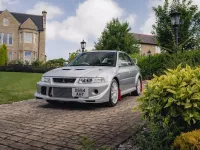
<point>21,18</point>
<point>145,39</point>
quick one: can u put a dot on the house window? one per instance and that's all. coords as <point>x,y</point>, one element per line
<point>5,22</point>
<point>10,42</point>
<point>28,37</point>
<point>27,56</point>
<point>34,38</point>
<point>5,38</point>
<point>10,56</point>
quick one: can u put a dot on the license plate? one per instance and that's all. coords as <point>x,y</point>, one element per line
<point>79,92</point>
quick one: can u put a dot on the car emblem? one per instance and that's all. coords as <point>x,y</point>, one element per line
<point>63,80</point>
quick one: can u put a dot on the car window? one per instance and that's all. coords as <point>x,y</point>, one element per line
<point>128,59</point>
<point>124,60</point>
<point>95,59</point>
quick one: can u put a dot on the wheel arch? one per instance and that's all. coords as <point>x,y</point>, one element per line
<point>117,81</point>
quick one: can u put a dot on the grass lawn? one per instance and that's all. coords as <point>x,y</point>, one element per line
<point>16,86</point>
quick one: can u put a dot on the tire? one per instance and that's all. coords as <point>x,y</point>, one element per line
<point>114,93</point>
<point>138,90</point>
<point>52,102</point>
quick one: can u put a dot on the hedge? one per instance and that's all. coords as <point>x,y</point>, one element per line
<point>160,62</point>
<point>187,141</point>
<point>24,68</point>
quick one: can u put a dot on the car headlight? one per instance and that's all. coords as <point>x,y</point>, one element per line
<point>46,79</point>
<point>91,80</point>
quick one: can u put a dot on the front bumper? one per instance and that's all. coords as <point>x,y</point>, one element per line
<point>44,92</point>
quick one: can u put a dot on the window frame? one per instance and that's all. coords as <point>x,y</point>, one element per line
<point>26,56</point>
<point>130,63</point>
<point>11,56</point>
<point>9,38</point>
<point>27,40</point>
<point>4,22</point>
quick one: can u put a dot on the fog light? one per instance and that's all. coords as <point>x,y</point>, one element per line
<point>95,92</point>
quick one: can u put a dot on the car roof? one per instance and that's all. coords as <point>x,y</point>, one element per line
<point>105,51</point>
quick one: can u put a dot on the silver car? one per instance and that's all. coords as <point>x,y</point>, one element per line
<point>93,77</point>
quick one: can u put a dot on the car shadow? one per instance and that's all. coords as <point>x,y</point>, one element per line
<point>78,106</point>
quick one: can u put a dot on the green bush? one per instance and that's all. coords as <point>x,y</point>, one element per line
<point>160,62</point>
<point>187,141</point>
<point>36,63</point>
<point>174,96</point>
<point>155,137</point>
<point>3,55</point>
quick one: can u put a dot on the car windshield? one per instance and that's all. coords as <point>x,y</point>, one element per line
<point>95,59</point>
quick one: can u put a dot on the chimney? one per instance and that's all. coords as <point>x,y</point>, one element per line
<point>44,13</point>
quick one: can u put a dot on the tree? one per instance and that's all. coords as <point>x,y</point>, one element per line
<point>189,29</point>
<point>3,55</point>
<point>117,36</point>
<point>55,62</point>
<point>73,55</point>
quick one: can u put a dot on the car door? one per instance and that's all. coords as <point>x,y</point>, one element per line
<point>124,72</point>
<point>133,71</point>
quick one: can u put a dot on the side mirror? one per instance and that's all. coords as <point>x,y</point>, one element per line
<point>65,63</point>
<point>135,60</point>
<point>123,63</point>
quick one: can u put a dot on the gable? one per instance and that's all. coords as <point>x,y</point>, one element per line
<point>21,18</point>
<point>29,24</point>
<point>12,20</point>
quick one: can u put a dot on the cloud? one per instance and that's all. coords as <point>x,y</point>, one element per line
<point>4,3</point>
<point>52,10</point>
<point>131,20</point>
<point>90,19</point>
<point>147,26</point>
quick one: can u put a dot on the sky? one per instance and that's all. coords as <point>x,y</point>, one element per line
<point>71,21</point>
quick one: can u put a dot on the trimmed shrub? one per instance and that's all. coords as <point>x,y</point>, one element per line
<point>187,141</point>
<point>160,62</point>
<point>24,68</point>
<point>173,97</point>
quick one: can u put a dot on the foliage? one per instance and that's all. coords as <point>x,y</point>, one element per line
<point>3,55</point>
<point>18,61</point>
<point>73,55</point>
<point>17,86</point>
<point>160,62</point>
<point>189,29</point>
<point>155,137</point>
<point>187,141</point>
<point>55,62</point>
<point>26,62</point>
<point>174,96</point>
<point>36,63</point>
<point>88,144</point>
<point>116,36</point>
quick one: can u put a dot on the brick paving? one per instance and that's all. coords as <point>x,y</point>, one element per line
<point>35,124</point>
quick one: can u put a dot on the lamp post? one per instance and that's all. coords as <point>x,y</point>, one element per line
<point>175,21</point>
<point>149,54</point>
<point>83,45</point>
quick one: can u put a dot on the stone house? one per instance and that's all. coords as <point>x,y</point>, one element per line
<point>146,43</point>
<point>24,35</point>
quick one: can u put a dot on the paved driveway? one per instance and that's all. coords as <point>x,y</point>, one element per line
<point>36,124</point>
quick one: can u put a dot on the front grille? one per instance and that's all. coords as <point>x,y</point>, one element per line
<point>64,80</point>
<point>62,92</point>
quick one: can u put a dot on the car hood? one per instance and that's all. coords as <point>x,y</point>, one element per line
<point>78,71</point>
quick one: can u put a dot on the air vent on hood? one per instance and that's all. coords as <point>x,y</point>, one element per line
<point>66,69</point>
<point>79,69</point>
